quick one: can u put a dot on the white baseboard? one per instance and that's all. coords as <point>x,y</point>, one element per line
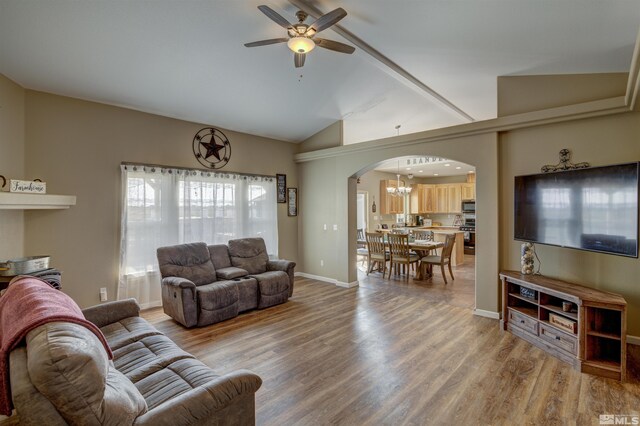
<point>486,314</point>
<point>316,277</point>
<point>348,285</point>
<point>144,306</point>
<point>633,340</point>
<point>327,280</point>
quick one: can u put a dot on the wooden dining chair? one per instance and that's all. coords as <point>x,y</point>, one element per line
<point>361,245</point>
<point>400,252</point>
<point>443,259</point>
<point>423,235</point>
<point>377,253</point>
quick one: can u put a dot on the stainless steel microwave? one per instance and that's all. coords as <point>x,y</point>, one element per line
<point>468,206</point>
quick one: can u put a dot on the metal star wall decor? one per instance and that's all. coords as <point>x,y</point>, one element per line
<point>211,148</point>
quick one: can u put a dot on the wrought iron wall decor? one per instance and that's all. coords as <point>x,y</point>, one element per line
<point>211,148</point>
<point>4,181</point>
<point>564,164</point>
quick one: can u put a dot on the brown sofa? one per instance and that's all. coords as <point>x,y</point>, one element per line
<point>63,376</point>
<point>203,284</point>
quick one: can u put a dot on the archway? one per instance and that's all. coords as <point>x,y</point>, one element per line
<point>332,179</point>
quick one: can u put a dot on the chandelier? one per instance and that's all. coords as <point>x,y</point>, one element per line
<point>398,190</point>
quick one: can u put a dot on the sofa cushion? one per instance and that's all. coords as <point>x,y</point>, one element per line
<point>146,356</point>
<point>69,366</point>
<point>175,379</point>
<point>249,254</point>
<point>217,302</point>
<point>191,261</point>
<point>126,331</point>
<point>219,254</point>
<point>230,273</point>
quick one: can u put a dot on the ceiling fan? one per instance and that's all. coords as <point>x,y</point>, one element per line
<point>301,37</point>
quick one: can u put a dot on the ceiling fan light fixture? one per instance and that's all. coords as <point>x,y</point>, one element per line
<point>301,44</point>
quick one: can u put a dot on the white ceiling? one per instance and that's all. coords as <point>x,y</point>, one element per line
<point>186,59</point>
<point>421,167</point>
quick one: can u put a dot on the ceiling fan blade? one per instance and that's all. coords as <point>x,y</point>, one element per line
<point>274,16</point>
<point>298,59</point>
<point>327,20</point>
<point>266,42</point>
<point>334,45</point>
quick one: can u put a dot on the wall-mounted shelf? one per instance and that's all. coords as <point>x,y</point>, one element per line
<point>16,201</point>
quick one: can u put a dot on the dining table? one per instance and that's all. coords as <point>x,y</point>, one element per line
<point>422,247</point>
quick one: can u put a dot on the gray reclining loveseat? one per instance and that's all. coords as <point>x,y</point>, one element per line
<point>203,284</point>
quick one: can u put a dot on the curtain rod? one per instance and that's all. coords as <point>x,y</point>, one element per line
<point>161,166</point>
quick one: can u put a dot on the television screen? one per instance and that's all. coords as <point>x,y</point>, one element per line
<point>593,209</point>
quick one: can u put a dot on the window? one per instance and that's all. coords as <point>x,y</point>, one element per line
<point>163,206</point>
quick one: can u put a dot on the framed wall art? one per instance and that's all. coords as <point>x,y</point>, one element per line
<point>292,196</point>
<point>281,184</point>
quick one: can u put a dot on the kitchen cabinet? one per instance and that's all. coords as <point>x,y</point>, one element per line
<point>422,199</point>
<point>468,191</point>
<point>454,198</point>
<point>390,204</point>
<point>441,198</point>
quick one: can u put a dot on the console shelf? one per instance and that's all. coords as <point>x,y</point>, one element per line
<point>591,336</point>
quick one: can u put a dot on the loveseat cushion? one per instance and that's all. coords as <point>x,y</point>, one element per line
<point>249,254</point>
<point>217,302</point>
<point>191,261</point>
<point>230,273</point>
<point>126,331</point>
<point>273,287</point>
<point>219,254</point>
<point>70,367</point>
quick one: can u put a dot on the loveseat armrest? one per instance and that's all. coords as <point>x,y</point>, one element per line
<point>286,266</point>
<point>110,312</point>
<point>207,402</point>
<point>178,282</point>
<point>179,300</point>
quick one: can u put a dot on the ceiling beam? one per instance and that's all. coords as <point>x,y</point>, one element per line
<point>396,70</point>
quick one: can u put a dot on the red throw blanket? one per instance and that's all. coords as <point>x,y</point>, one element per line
<point>27,304</point>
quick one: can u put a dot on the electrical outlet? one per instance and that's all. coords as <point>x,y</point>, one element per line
<point>103,294</point>
<point>321,262</point>
<point>335,227</point>
<point>324,227</point>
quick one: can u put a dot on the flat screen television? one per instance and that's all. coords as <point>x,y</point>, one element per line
<point>594,209</point>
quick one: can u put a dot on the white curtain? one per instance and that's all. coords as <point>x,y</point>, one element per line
<point>163,206</point>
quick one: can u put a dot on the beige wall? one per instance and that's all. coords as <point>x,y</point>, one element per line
<point>12,122</point>
<point>599,141</point>
<point>332,183</point>
<point>328,137</point>
<point>77,147</point>
<point>370,182</point>
<point>518,94</point>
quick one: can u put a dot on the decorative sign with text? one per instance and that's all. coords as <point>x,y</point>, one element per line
<point>28,186</point>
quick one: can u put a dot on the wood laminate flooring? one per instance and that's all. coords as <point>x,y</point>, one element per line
<point>394,352</point>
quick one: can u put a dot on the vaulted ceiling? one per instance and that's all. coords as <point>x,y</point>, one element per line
<point>186,59</point>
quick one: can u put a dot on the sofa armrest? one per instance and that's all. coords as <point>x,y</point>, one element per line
<point>203,402</point>
<point>286,266</point>
<point>110,312</point>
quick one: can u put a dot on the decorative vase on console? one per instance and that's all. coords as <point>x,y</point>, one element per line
<point>526,258</point>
